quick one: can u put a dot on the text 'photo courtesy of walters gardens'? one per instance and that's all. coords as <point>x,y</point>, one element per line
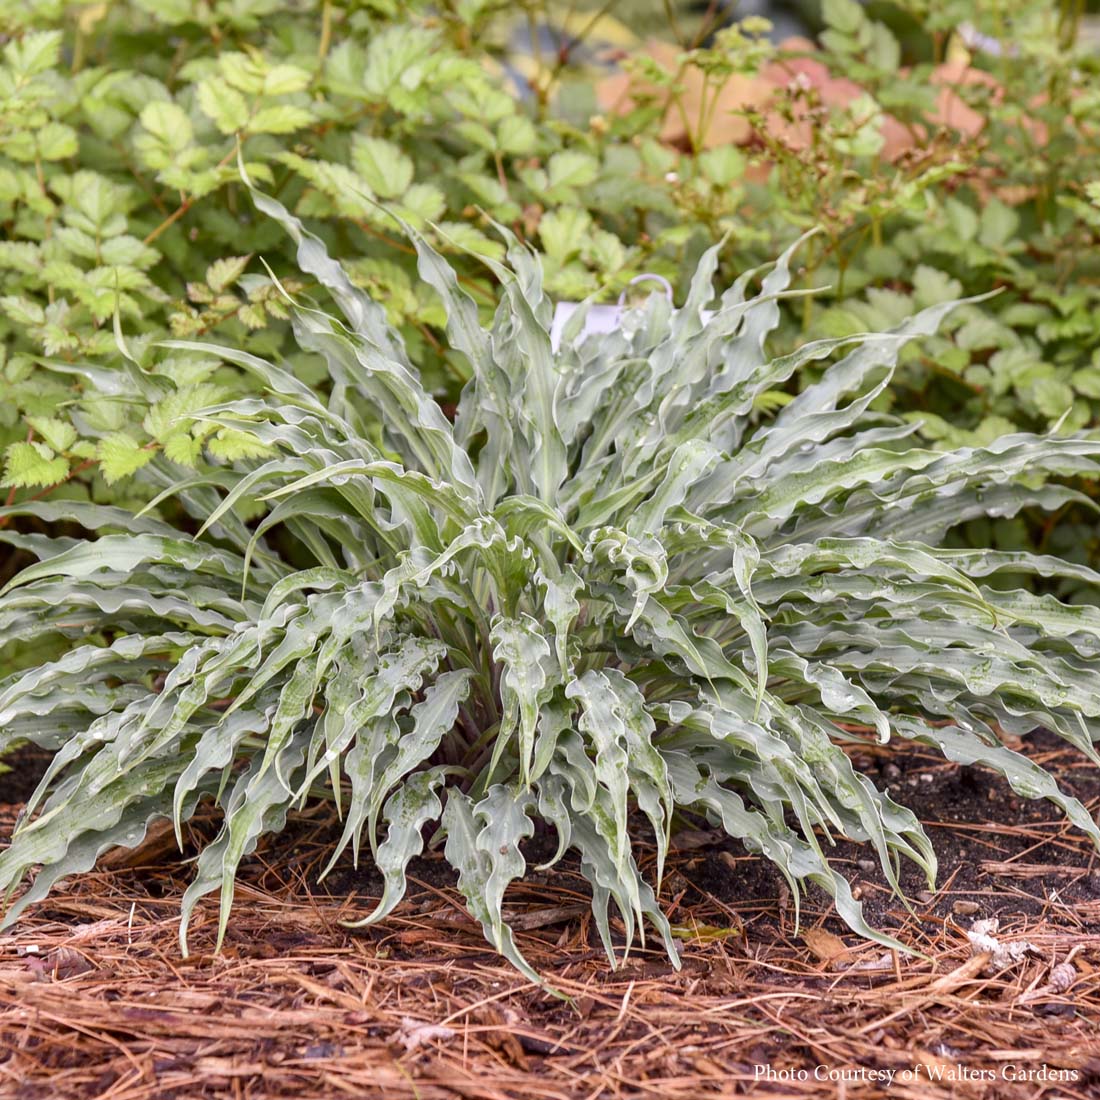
<point>931,1073</point>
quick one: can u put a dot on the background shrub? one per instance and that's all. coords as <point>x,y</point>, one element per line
<point>118,189</point>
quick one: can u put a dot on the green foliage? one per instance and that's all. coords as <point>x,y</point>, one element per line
<point>899,188</point>
<point>30,464</point>
<point>119,189</point>
<point>1004,205</point>
<point>610,583</point>
<point>119,129</point>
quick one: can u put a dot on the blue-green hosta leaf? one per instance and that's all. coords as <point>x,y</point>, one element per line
<point>537,402</point>
<point>418,566</point>
<point>277,381</point>
<point>409,490</point>
<point>928,516</point>
<point>660,631</point>
<point>592,828</point>
<point>630,891</point>
<point>321,578</point>
<point>742,355</point>
<point>986,563</point>
<point>373,739</point>
<point>562,607</point>
<point>991,666</point>
<point>645,766</point>
<point>365,316</point>
<point>747,613</point>
<point>82,851</point>
<point>486,401</point>
<point>1024,776</point>
<point>524,658</point>
<point>333,731</point>
<point>607,498</point>
<point>257,804</point>
<point>864,813</point>
<point>411,806</point>
<point>681,367</point>
<point>483,875</point>
<point>120,605</point>
<point>49,838</point>
<point>504,816</point>
<point>795,859</point>
<point>430,721</point>
<point>192,684</point>
<point>642,561</point>
<point>765,511</point>
<point>413,421</point>
<point>246,486</point>
<point>82,663</point>
<point>688,463</point>
<point>874,595</point>
<point>839,695</point>
<point>553,791</point>
<point>371,723</point>
<point>723,416</point>
<point>93,517</point>
<point>215,750</point>
<point>94,698</point>
<point>864,554</point>
<point>523,515</point>
<point>602,721</point>
<point>815,412</point>
<point>123,554</point>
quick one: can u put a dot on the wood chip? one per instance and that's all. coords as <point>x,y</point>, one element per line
<point>824,945</point>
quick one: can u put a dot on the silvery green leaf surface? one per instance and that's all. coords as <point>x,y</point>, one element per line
<point>486,857</point>
<point>411,806</point>
<point>614,588</point>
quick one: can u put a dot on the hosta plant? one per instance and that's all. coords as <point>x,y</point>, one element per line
<point>614,592</point>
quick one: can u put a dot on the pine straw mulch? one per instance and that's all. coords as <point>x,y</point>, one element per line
<point>95,1000</point>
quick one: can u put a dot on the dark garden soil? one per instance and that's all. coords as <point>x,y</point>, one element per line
<point>95,1000</point>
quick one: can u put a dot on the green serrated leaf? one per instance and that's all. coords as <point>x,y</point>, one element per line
<point>386,170</point>
<point>27,465</point>
<point>120,455</point>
